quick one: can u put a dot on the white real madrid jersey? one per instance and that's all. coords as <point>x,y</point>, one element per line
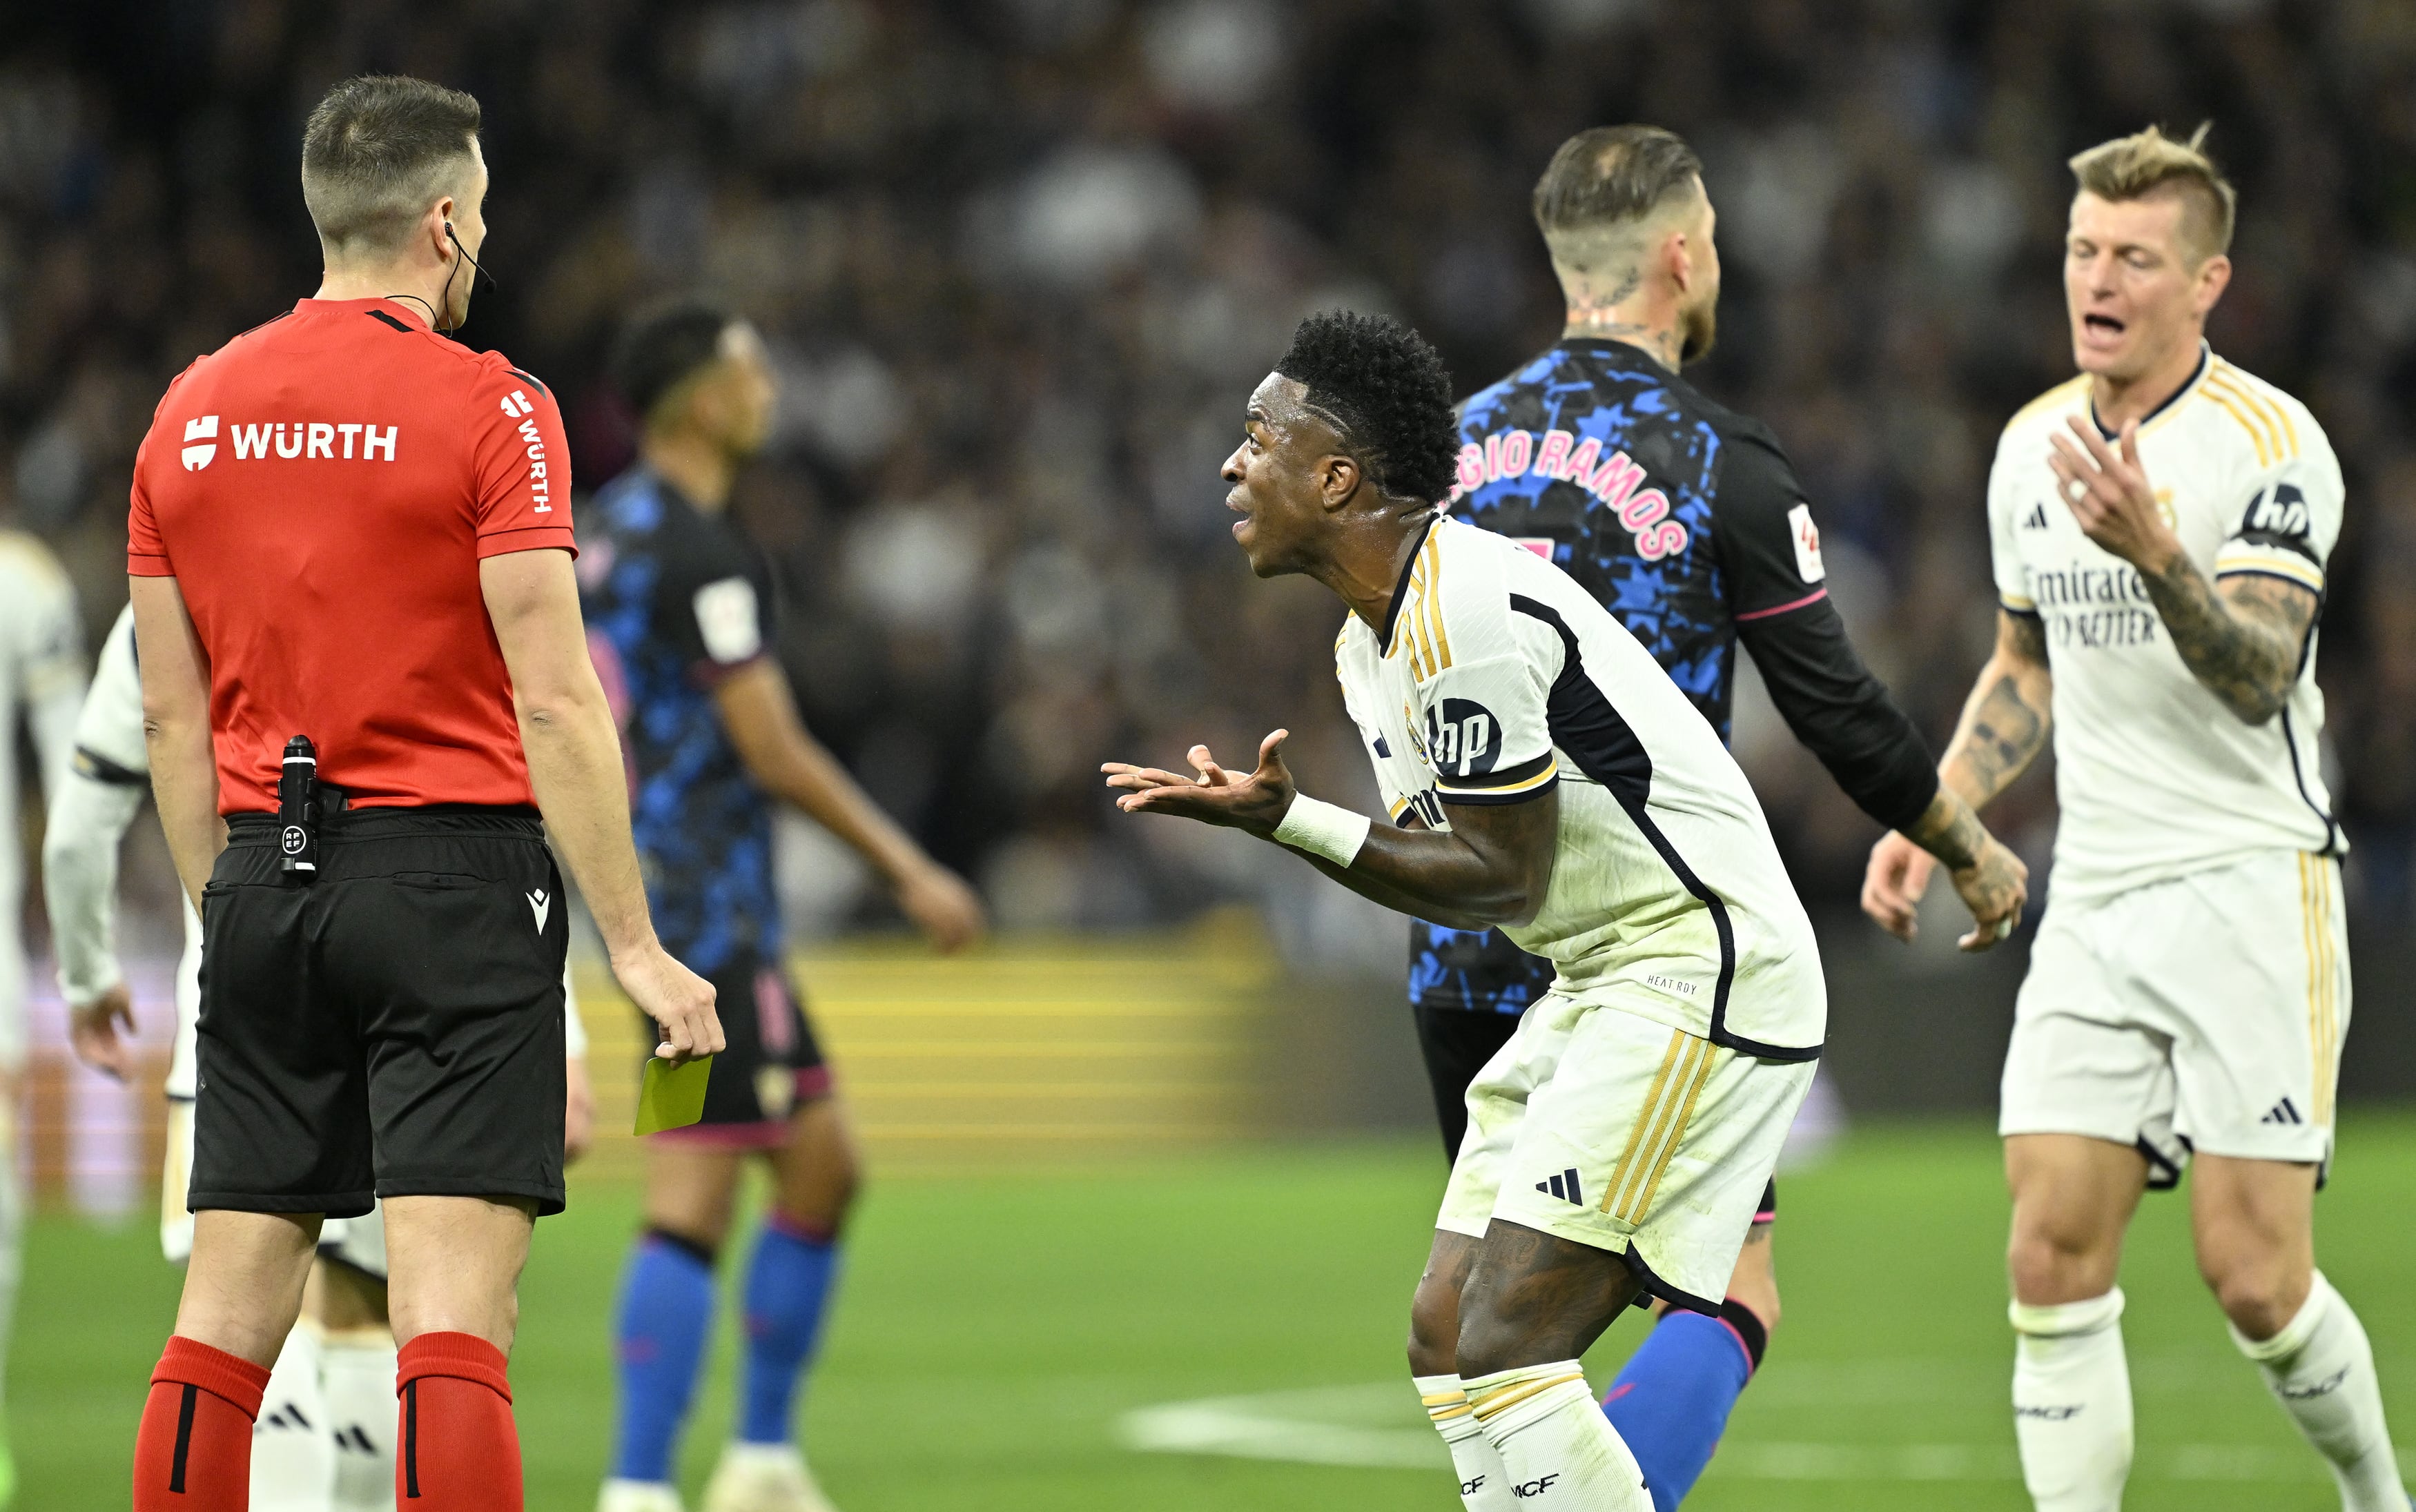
<point>89,817</point>
<point>41,673</point>
<point>2155,777</point>
<point>110,725</point>
<point>1497,676</point>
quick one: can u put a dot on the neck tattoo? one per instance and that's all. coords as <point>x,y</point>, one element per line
<point>1588,319</point>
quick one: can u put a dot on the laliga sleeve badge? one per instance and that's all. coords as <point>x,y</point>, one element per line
<point>672,1095</point>
<point>1806,538</point>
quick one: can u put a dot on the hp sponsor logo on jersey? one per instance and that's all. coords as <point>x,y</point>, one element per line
<point>1462,738</point>
<point>2281,510</point>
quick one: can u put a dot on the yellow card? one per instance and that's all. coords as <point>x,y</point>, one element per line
<point>672,1095</point>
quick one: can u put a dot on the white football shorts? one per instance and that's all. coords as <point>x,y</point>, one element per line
<point>2202,1014</point>
<point>1616,1132</point>
<point>358,1242</point>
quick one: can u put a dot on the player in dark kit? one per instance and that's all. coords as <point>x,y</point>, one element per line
<point>680,615</point>
<point>367,704</point>
<point>1685,520</point>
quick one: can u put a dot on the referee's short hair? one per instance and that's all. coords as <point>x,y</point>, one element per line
<point>1611,176</point>
<point>665,344</point>
<point>377,151</point>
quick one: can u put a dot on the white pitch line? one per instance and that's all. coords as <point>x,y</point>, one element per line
<point>1317,1426</point>
<point>1375,1427</point>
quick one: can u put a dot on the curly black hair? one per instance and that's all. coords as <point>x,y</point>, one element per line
<point>1386,390</point>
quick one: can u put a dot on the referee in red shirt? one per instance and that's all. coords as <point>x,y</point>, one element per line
<point>348,528</point>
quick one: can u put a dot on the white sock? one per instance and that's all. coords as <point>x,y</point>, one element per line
<point>1483,1488</point>
<point>357,1371</point>
<point>2320,1369</point>
<point>2072,1403</point>
<point>1559,1451</point>
<point>293,1455</point>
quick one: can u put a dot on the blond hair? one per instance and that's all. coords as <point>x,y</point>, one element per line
<point>2150,164</point>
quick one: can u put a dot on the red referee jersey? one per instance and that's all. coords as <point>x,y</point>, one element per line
<point>322,489</point>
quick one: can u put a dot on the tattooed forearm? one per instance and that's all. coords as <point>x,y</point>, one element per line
<point>2005,721</point>
<point>1949,831</point>
<point>2242,639</point>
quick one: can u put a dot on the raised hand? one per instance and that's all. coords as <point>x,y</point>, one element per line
<point>1254,801</point>
<point>2108,493</point>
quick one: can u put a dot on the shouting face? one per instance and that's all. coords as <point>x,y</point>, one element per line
<point>1288,476</point>
<point>2134,287</point>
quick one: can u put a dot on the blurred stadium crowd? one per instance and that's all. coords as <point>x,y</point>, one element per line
<point>1022,260</point>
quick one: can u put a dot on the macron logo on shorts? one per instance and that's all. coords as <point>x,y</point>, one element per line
<point>541,905</point>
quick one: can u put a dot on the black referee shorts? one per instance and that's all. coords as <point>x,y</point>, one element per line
<point>1456,1042</point>
<point>391,1028</point>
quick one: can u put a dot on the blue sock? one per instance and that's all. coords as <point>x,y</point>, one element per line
<point>787,1284</point>
<point>1671,1402</point>
<point>665,1318</point>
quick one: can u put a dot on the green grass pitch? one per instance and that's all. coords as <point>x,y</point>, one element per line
<point>993,1332</point>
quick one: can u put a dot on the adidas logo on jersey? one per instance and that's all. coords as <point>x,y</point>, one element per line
<point>1565,1186</point>
<point>2036,518</point>
<point>2283,1112</point>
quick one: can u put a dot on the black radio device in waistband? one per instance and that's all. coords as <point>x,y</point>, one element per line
<point>302,801</point>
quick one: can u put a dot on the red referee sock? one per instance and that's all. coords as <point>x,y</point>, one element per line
<point>193,1452</point>
<point>460,1451</point>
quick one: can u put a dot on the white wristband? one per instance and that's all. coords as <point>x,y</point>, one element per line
<point>1323,829</point>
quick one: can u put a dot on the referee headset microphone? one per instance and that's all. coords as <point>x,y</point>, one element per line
<point>446,297</point>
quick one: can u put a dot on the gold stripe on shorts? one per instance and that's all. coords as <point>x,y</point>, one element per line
<point>2308,948</point>
<point>2320,923</point>
<point>2323,1019</point>
<point>1686,1117</point>
<point>1636,1135</point>
<point>1659,1126</point>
